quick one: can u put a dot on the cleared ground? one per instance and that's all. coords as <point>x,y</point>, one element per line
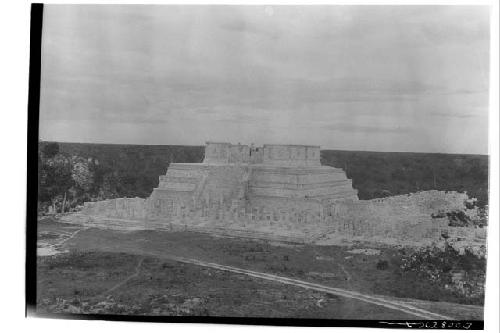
<point>109,271</point>
<point>94,282</point>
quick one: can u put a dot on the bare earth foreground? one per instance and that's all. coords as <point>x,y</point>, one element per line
<point>91,270</point>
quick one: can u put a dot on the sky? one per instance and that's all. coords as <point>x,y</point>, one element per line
<point>376,78</point>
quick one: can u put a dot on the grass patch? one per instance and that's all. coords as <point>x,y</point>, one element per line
<point>79,282</point>
<point>354,271</point>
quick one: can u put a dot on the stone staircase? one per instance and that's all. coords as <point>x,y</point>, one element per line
<point>200,189</point>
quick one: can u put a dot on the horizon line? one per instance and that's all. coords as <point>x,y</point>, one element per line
<point>321,147</point>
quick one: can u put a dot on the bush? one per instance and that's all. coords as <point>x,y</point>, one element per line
<point>50,150</point>
<point>458,219</point>
<point>439,265</point>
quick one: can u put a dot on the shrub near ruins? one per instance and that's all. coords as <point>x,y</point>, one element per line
<point>64,180</point>
<point>462,275</point>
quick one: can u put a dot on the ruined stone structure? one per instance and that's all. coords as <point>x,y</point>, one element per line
<point>283,189</point>
<point>272,183</point>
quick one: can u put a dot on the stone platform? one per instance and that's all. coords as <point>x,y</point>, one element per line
<point>273,182</point>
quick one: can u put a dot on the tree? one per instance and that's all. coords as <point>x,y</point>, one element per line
<point>81,174</point>
<point>50,150</point>
<point>55,179</point>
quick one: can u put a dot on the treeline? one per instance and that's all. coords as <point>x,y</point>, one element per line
<point>111,171</point>
<point>71,173</point>
<point>379,174</point>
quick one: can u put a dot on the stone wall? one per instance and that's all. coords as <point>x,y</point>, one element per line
<point>226,153</point>
<point>122,208</point>
<point>291,155</point>
<point>225,183</point>
<point>319,183</point>
<point>189,188</point>
<point>288,155</point>
<point>239,154</point>
<point>306,212</point>
<point>217,152</point>
<point>256,155</point>
<point>404,217</point>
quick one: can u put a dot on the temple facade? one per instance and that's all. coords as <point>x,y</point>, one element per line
<point>282,190</point>
<point>272,182</point>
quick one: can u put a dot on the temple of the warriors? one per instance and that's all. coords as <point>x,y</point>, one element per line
<point>273,182</point>
<point>270,182</point>
<point>280,190</point>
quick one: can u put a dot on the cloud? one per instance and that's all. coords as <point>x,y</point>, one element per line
<point>243,27</point>
<point>238,26</point>
<point>176,73</point>
<point>355,128</point>
<point>453,115</point>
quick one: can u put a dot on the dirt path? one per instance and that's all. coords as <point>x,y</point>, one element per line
<point>390,304</point>
<point>46,248</point>
<point>70,237</point>
<point>119,284</point>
